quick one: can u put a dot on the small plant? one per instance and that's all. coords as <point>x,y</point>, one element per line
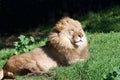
<point>115,75</point>
<point>23,45</point>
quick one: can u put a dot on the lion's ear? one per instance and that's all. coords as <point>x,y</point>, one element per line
<point>58,28</point>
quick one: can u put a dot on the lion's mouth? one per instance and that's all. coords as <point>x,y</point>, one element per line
<point>78,43</point>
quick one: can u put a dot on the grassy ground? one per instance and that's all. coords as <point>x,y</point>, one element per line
<point>104,49</point>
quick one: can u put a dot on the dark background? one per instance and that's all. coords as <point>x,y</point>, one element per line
<point>21,15</point>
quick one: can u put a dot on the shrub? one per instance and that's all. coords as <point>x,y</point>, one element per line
<point>23,45</point>
<point>115,75</point>
<point>105,21</point>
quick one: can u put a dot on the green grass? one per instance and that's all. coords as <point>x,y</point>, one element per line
<point>104,46</point>
<point>104,21</point>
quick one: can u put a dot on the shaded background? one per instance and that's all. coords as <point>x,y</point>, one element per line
<point>21,15</point>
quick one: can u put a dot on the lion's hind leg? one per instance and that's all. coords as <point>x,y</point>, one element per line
<point>34,70</point>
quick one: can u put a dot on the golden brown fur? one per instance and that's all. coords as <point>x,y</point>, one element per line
<point>66,44</point>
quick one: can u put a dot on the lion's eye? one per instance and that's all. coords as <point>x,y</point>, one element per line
<point>71,32</point>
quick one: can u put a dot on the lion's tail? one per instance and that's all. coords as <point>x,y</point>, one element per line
<point>1,74</point>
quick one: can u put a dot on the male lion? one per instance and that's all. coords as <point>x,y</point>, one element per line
<point>66,44</point>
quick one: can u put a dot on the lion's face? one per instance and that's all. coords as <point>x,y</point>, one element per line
<point>73,35</point>
<point>68,32</point>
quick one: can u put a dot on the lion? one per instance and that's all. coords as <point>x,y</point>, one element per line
<point>67,44</point>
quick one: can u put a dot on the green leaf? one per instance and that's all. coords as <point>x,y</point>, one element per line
<point>32,39</point>
<point>21,37</point>
<point>15,43</point>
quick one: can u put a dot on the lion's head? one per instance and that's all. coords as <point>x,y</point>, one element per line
<point>69,39</point>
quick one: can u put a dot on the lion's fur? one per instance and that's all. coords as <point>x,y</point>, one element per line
<point>61,49</point>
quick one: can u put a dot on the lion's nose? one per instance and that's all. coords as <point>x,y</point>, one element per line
<point>80,36</point>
